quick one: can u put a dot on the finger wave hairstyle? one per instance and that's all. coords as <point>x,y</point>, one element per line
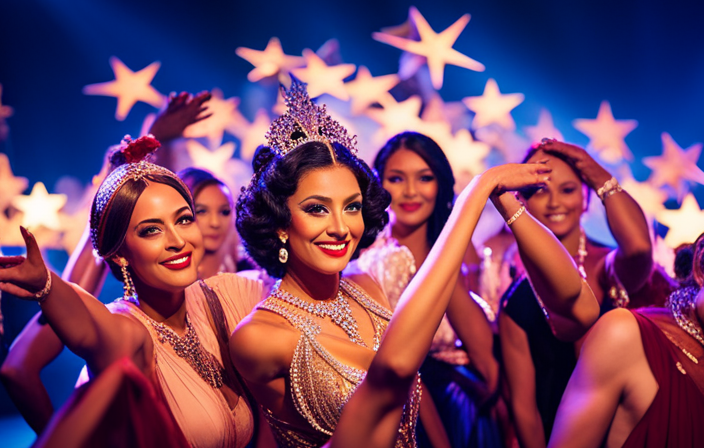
<point>262,207</point>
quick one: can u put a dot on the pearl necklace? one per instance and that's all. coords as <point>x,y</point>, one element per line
<point>337,309</point>
<point>680,303</point>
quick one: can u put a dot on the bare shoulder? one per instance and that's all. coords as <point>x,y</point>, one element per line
<point>368,285</point>
<point>613,346</point>
<point>262,346</point>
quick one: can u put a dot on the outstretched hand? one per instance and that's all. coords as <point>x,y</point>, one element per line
<point>589,169</point>
<point>182,111</point>
<point>24,277</point>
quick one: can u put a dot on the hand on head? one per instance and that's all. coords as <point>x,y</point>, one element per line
<point>182,111</point>
<point>514,176</point>
<point>589,169</point>
<point>24,277</point>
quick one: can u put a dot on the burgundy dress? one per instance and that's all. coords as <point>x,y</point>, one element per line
<point>675,418</point>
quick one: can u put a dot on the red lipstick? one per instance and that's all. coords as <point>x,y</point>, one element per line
<point>410,206</point>
<point>178,262</point>
<point>334,252</point>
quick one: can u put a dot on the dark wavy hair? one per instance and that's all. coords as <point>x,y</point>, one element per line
<point>698,261</point>
<point>262,207</point>
<point>433,155</point>
<point>530,191</point>
<point>197,179</point>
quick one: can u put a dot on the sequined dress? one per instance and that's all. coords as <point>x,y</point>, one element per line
<point>321,385</point>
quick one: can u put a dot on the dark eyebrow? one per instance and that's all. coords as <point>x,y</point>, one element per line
<point>394,170</point>
<point>326,199</point>
<point>159,221</point>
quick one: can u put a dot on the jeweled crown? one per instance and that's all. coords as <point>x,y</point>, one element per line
<point>304,122</point>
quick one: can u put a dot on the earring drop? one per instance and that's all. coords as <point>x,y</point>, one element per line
<point>283,253</point>
<point>126,279</point>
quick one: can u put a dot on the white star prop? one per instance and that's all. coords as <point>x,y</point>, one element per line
<point>648,196</point>
<point>436,47</point>
<point>40,208</point>
<point>606,135</point>
<point>454,113</point>
<point>676,167</point>
<point>322,78</point>
<point>251,135</point>
<point>129,87</point>
<point>10,186</point>
<point>396,117</point>
<point>685,224</point>
<point>366,90</point>
<point>493,107</point>
<point>269,62</point>
<point>466,157</point>
<point>544,129</point>
<point>225,116</point>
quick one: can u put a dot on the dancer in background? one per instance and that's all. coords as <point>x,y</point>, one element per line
<point>538,364</point>
<point>639,381</point>
<point>461,381</point>
<point>173,329</point>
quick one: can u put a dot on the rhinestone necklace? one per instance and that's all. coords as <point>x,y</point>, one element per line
<point>680,303</point>
<point>190,349</point>
<point>338,310</point>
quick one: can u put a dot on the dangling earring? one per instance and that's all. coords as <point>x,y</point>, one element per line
<point>127,279</point>
<point>283,253</point>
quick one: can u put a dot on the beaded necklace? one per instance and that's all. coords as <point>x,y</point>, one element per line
<point>681,303</point>
<point>582,253</point>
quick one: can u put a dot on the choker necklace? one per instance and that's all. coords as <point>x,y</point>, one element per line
<point>337,309</point>
<point>191,350</point>
<point>680,303</point>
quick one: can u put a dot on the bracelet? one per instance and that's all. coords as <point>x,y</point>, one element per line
<point>42,295</point>
<point>610,187</point>
<point>515,216</point>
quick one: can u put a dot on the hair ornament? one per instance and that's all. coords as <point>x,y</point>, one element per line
<point>304,122</point>
<point>140,149</point>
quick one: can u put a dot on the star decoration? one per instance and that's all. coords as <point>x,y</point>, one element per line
<point>650,198</point>
<point>606,134</point>
<point>322,78</point>
<point>436,47</point>
<point>128,87</point>
<point>396,117</point>
<point>5,113</point>
<point>544,129</point>
<point>409,63</point>
<point>225,116</point>
<point>10,186</point>
<point>685,224</point>
<point>454,113</point>
<point>676,167</point>
<point>466,157</point>
<point>251,135</point>
<point>365,89</point>
<point>270,61</point>
<point>40,208</point>
<point>493,107</point>
<point>214,161</point>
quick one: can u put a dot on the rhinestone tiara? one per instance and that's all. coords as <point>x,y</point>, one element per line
<point>304,122</point>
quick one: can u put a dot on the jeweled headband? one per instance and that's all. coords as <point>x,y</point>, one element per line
<point>137,166</point>
<point>305,122</point>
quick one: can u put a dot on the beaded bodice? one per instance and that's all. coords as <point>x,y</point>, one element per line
<point>320,384</point>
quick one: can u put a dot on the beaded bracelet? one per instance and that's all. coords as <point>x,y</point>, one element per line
<point>515,216</point>
<point>610,187</point>
<point>42,295</point>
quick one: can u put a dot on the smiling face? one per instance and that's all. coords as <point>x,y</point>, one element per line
<point>560,204</point>
<point>214,215</point>
<point>326,220</point>
<point>413,188</point>
<point>163,245</point>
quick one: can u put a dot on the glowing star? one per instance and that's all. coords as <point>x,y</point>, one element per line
<point>10,186</point>
<point>396,117</point>
<point>676,167</point>
<point>269,62</point>
<point>493,107</point>
<point>409,63</point>
<point>685,224</point>
<point>5,113</point>
<point>251,135</point>
<point>365,89</point>
<point>225,116</point>
<point>466,157</point>
<point>214,161</point>
<point>544,129</point>
<point>40,208</point>
<point>436,47</point>
<point>606,134</point>
<point>454,113</point>
<point>648,196</point>
<point>129,87</point>
<point>322,78</point>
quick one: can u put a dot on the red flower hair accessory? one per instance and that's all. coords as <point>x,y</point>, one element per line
<point>137,150</point>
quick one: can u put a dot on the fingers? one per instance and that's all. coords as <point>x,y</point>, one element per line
<point>201,118</point>
<point>33,252</point>
<point>9,262</point>
<point>16,291</point>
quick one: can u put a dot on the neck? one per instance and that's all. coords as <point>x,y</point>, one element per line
<point>166,307</point>
<point>414,238</point>
<point>571,241</point>
<point>304,282</point>
<point>210,264</point>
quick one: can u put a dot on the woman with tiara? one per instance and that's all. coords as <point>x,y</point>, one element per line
<point>168,327</point>
<point>639,381</point>
<point>306,348</point>
<point>460,373</point>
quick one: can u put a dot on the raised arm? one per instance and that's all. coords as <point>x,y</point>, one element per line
<point>84,269</point>
<point>624,216</point>
<point>372,415</point>
<point>84,324</point>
